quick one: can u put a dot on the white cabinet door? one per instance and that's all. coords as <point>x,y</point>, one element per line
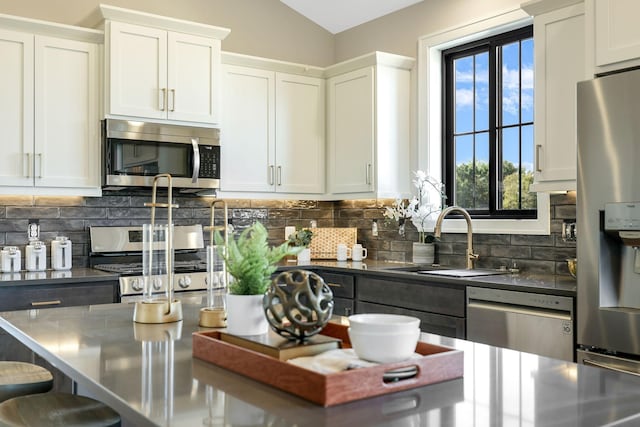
<point>617,33</point>
<point>300,141</point>
<point>247,140</point>
<point>194,67</point>
<point>137,71</point>
<point>67,125</point>
<point>559,35</point>
<point>351,132</point>
<point>160,74</point>
<point>16,108</point>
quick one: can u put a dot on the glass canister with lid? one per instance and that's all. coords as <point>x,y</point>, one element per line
<point>10,259</point>
<point>61,253</point>
<point>36,256</point>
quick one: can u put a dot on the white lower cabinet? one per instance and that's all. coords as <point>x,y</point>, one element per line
<point>368,127</point>
<point>49,114</point>
<point>272,138</point>
<point>560,62</point>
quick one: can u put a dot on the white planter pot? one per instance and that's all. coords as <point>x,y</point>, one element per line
<point>304,256</point>
<point>245,315</point>
<point>423,253</point>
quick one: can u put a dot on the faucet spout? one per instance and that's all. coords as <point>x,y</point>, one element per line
<point>471,257</point>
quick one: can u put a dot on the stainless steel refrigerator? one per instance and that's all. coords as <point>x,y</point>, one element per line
<point>608,217</point>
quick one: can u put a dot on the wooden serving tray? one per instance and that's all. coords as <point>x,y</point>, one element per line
<point>438,364</point>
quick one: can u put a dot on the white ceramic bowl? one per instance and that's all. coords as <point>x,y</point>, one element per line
<point>384,347</point>
<point>383,323</point>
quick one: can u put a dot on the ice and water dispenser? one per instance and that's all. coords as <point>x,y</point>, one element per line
<point>619,256</point>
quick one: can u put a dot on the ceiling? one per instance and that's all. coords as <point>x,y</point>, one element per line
<point>340,15</point>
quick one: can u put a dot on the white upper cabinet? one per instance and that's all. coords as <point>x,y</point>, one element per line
<point>161,68</point>
<point>247,148</point>
<point>616,33</point>
<point>351,125</point>
<point>67,131</point>
<point>16,109</point>
<point>368,126</point>
<point>272,138</point>
<point>49,109</point>
<point>560,62</point>
<point>300,136</point>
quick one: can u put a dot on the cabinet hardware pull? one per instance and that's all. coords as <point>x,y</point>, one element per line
<point>161,101</point>
<point>538,168</point>
<point>173,100</point>
<point>29,165</point>
<point>40,156</point>
<point>271,177</point>
<point>335,285</point>
<point>41,303</point>
<point>368,174</point>
<point>279,175</point>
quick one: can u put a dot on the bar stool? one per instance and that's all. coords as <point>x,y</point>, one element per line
<point>56,409</point>
<point>20,379</point>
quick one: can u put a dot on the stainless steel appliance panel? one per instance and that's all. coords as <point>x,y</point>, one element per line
<point>134,152</point>
<point>523,321</point>
<point>608,171</point>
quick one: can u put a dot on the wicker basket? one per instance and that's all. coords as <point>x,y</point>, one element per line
<point>325,241</point>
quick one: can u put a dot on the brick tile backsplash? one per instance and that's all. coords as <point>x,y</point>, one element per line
<point>73,216</point>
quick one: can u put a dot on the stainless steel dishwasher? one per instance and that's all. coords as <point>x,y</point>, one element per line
<point>534,323</point>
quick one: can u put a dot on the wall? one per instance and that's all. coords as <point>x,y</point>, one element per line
<point>399,32</point>
<point>72,217</point>
<point>270,29</point>
<point>266,28</point>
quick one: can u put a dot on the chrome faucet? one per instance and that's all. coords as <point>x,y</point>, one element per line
<point>471,257</point>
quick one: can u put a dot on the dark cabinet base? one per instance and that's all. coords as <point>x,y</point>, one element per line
<point>433,323</point>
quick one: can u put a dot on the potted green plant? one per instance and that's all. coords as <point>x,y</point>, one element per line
<point>250,262</point>
<point>302,239</point>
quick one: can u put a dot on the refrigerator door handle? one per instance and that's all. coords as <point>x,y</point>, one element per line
<point>602,365</point>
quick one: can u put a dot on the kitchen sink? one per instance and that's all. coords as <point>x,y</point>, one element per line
<point>462,272</point>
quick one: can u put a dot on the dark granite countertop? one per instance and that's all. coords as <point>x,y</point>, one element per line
<point>526,282</point>
<point>48,277</point>
<point>148,375</point>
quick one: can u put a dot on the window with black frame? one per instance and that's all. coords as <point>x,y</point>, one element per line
<point>488,145</point>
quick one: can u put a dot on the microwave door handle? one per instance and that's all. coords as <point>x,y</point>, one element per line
<point>196,160</point>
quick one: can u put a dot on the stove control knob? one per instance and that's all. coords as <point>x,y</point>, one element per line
<point>184,282</point>
<point>136,285</point>
<point>157,283</point>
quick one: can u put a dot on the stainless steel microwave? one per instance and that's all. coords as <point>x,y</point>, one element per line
<point>134,152</point>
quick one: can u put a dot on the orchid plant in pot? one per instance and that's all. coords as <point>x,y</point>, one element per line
<point>422,210</point>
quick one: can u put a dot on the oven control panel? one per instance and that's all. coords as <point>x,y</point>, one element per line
<point>134,285</point>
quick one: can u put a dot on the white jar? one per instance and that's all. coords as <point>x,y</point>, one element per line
<point>36,256</point>
<point>10,259</point>
<point>61,253</point>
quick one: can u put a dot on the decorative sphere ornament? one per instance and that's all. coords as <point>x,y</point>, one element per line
<point>298,304</point>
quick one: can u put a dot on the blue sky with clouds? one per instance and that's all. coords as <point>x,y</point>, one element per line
<point>472,89</point>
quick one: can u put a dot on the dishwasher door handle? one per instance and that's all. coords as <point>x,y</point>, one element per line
<point>519,309</point>
<point>590,362</point>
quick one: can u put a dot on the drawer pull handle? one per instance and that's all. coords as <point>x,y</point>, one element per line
<point>336,285</point>
<point>41,303</point>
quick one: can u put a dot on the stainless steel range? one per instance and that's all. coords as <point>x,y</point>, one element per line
<point>119,250</point>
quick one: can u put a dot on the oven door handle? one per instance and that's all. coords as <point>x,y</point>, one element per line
<point>196,160</point>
